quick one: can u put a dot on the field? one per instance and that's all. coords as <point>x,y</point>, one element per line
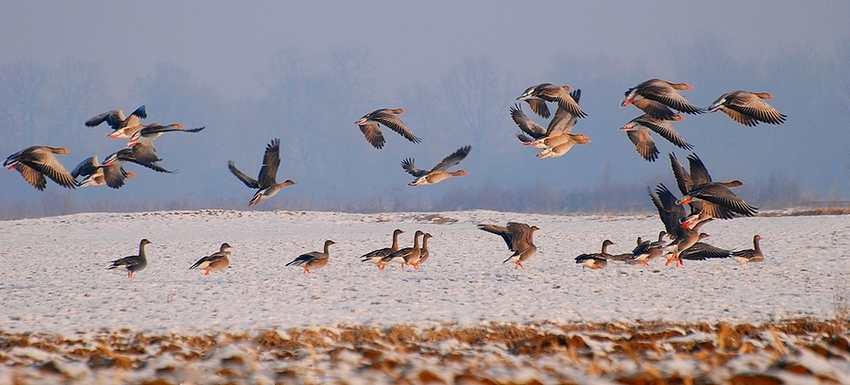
<point>464,317</point>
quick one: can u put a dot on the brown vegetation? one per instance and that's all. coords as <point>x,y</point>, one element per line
<point>640,353</point>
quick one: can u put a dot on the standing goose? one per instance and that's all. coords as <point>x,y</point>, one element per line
<point>214,262</point>
<point>520,239</point>
<point>414,259</point>
<point>96,174</point>
<point>403,255</point>
<point>562,123</point>
<point>438,173</point>
<point>266,182</point>
<point>155,130</point>
<point>748,108</point>
<point>377,255</point>
<point>701,251</point>
<point>647,250</point>
<point>121,127</point>
<point>313,259</point>
<point>638,130</point>
<point>36,162</point>
<point>370,126</point>
<point>424,254</point>
<point>596,260</point>
<point>750,255</point>
<point>133,263</point>
<point>663,92</point>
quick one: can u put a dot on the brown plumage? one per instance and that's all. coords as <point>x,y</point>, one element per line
<point>718,193</point>
<point>519,237</point>
<point>313,259</point>
<point>748,108</point>
<point>663,92</point>
<point>266,182</point>
<point>438,173</point>
<point>647,250</point>
<point>122,127</point>
<point>596,260</point>
<point>370,126</point>
<point>552,93</point>
<point>155,130</point>
<point>96,174</point>
<point>377,255</point>
<point>750,255</point>
<point>562,123</point>
<point>133,263</point>
<point>403,255</point>
<point>686,239</point>
<point>638,130</point>
<point>37,162</point>
<point>217,261</point>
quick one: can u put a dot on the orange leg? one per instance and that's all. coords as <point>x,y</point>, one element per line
<point>306,269</point>
<point>129,273</point>
<point>646,262</point>
<point>207,272</point>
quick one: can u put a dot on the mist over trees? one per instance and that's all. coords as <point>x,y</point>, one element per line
<point>310,102</point>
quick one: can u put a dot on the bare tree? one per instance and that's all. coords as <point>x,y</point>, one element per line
<point>23,92</point>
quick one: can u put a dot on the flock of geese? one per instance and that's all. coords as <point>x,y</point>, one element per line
<point>36,163</point>
<point>659,100</point>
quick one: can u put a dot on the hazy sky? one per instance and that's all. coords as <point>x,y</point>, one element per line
<point>226,44</point>
<point>230,49</point>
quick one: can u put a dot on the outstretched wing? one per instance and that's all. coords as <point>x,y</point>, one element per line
<point>250,182</point>
<point>271,161</point>
<point>373,134</point>
<point>452,159</point>
<point>408,166</point>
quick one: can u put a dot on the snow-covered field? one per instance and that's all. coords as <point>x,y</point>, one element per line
<point>54,277</point>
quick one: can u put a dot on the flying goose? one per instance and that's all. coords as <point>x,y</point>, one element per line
<point>638,130</point>
<point>370,126</point>
<point>122,127</point>
<point>552,93</point>
<point>519,237</point>
<point>748,108</point>
<point>438,173</point>
<point>266,182</point>
<point>663,92</point>
<point>36,162</point>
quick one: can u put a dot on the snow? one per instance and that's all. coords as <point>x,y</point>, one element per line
<point>55,279</point>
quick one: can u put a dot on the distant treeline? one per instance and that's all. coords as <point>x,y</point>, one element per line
<point>607,197</point>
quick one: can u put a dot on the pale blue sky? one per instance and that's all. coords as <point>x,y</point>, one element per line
<point>229,50</point>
